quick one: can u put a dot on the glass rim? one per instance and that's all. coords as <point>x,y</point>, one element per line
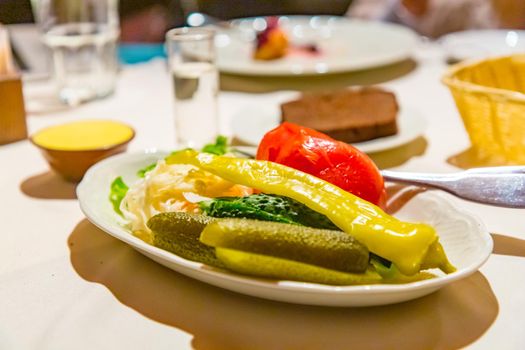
<point>189,34</point>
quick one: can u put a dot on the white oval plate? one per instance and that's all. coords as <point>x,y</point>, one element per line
<point>472,44</point>
<point>465,239</point>
<point>345,45</point>
<point>251,123</point>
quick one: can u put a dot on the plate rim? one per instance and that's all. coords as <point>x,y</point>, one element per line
<point>272,285</point>
<point>478,33</point>
<point>370,146</point>
<point>449,42</point>
<point>286,71</point>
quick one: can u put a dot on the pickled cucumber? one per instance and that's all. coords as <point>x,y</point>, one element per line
<point>179,233</point>
<point>325,248</point>
<point>278,268</point>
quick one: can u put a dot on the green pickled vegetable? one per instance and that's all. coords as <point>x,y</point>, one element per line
<point>142,172</point>
<point>391,274</point>
<point>218,148</point>
<point>284,269</point>
<point>179,233</point>
<point>118,190</point>
<point>268,208</point>
<point>326,248</point>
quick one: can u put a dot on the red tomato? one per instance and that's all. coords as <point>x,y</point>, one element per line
<point>317,154</point>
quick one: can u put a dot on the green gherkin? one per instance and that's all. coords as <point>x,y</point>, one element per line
<point>179,233</point>
<point>325,248</point>
<point>284,269</point>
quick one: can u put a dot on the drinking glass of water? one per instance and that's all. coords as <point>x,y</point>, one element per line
<point>82,38</point>
<point>191,60</point>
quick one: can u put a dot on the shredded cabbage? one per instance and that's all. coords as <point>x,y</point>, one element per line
<point>168,188</point>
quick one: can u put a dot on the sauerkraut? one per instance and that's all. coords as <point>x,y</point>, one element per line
<point>168,188</point>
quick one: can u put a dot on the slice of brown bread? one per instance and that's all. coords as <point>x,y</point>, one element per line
<point>349,115</point>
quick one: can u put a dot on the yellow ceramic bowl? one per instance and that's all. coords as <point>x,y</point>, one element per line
<point>490,96</point>
<point>72,148</point>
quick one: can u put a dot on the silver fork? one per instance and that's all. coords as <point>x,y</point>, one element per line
<point>500,186</point>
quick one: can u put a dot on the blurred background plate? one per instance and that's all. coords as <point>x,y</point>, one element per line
<point>250,124</point>
<point>344,44</point>
<point>483,43</point>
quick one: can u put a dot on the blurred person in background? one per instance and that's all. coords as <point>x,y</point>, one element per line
<point>227,9</point>
<point>141,20</point>
<point>15,11</point>
<point>148,21</point>
<point>434,18</point>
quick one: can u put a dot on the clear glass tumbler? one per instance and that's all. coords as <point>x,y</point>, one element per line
<point>82,37</point>
<point>191,60</point>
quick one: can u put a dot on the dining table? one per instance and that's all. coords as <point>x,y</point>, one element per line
<point>66,284</point>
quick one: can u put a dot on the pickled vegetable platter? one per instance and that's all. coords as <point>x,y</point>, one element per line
<point>266,229</point>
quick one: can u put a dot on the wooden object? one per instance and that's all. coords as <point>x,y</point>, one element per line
<point>12,112</point>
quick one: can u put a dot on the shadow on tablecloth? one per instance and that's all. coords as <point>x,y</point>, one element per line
<point>470,158</point>
<point>48,185</point>
<point>321,82</point>
<point>507,245</point>
<point>451,318</point>
<point>397,156</point>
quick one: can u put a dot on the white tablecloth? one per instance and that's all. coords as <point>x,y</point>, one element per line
<point>66,285</point>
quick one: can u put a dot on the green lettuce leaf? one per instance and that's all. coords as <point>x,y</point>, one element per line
<point>117,192</point>
<point>218,148</point>
<point>142,172</point>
